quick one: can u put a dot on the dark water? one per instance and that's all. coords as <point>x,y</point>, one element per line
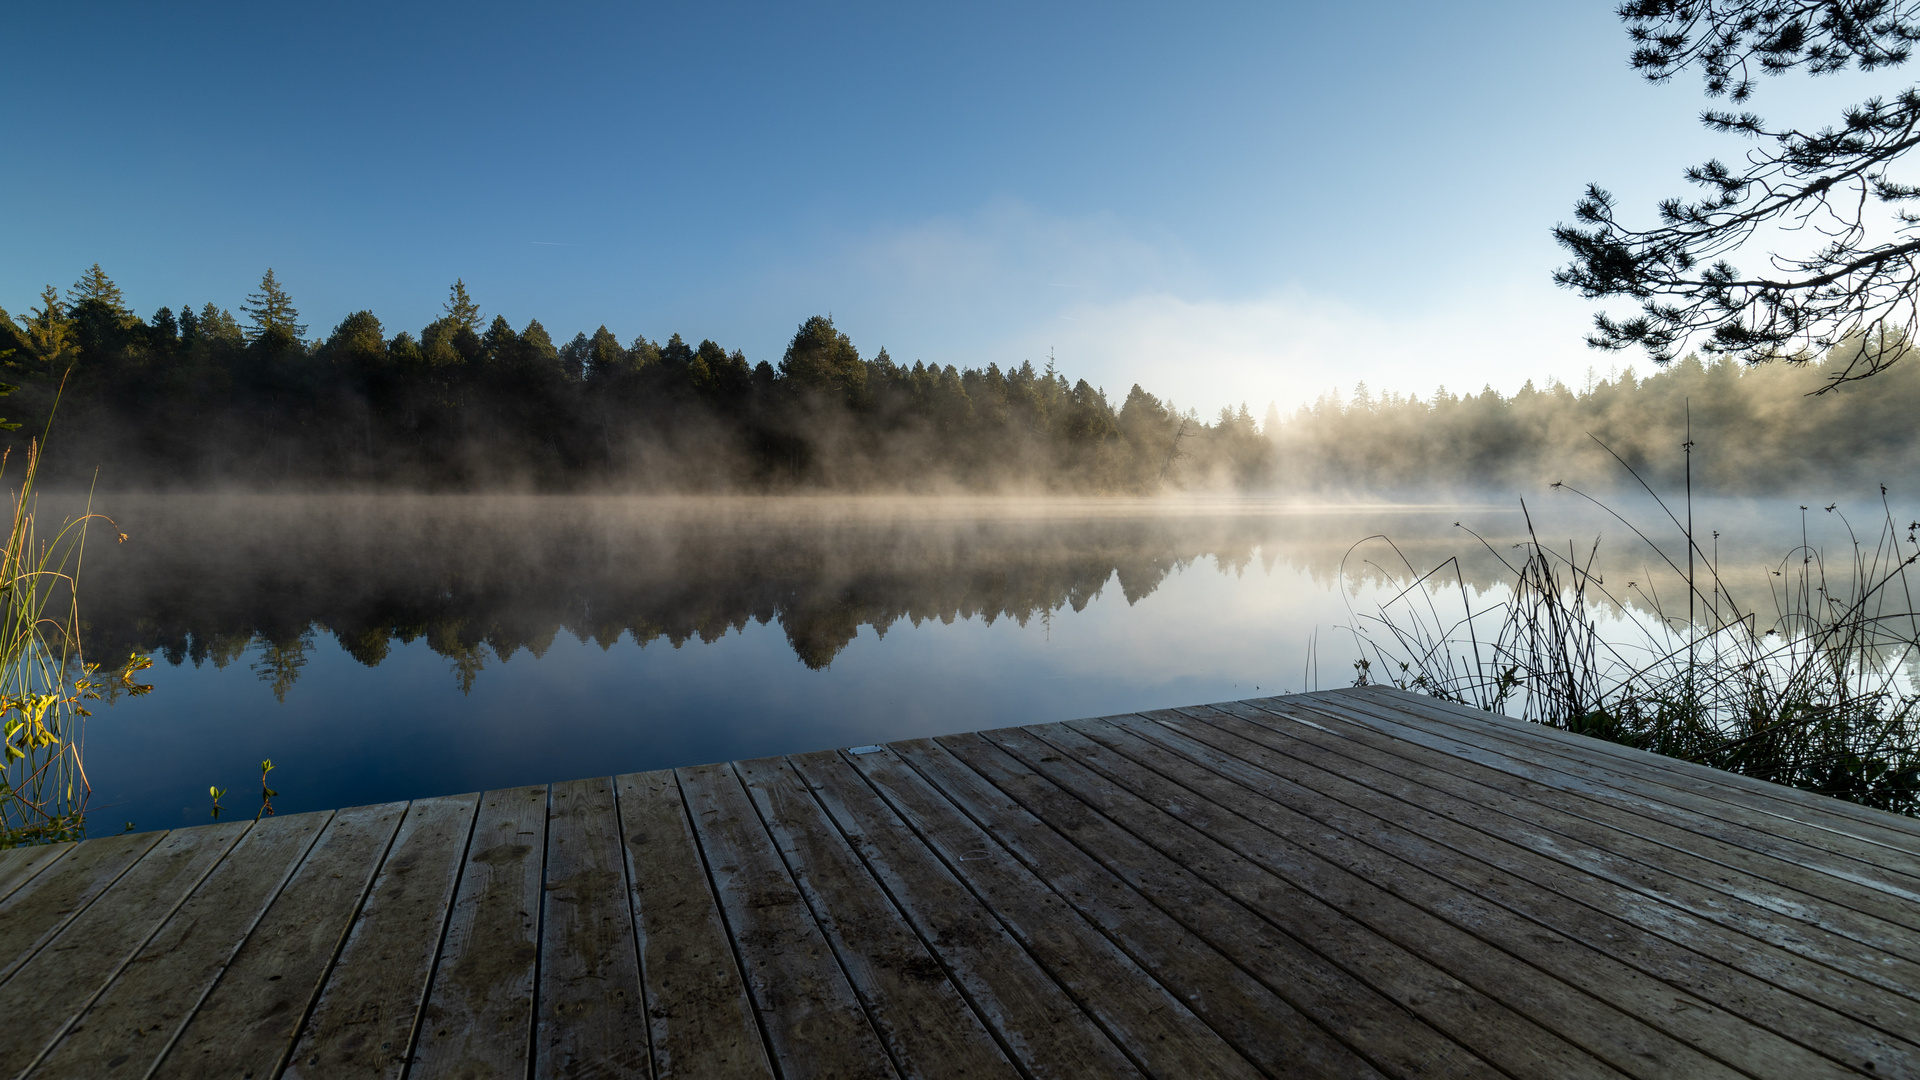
<point>382,648</point>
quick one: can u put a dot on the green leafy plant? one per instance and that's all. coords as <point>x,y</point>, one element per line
<point>266,793</point>
<point>45,682</point>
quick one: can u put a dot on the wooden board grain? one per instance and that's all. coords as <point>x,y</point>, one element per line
<point>812,1018</point>
<point>1142,1016</point>
<point>50,990</point>
<point>43,905</point>
<point>928,1027</point>
<point>699,1020</point>
<point>1662,985</point>
<point>1852,937</point>
<point>591,1014</point>
<point>137,1017</point>
<point>1042,1028</point>
<point>478,1020</point>
<point>247,1024</point>
<point>1784,803</point>
<point>1349,884</point>
<point>20,865</point>
<point>1033,819</point>
<point>1377,1026</point>
<point>1414,958</point>
<point>1842,859</point>
<point>1491,826</point>
<point>364,1023</point>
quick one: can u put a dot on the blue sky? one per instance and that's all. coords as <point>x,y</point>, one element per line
<point>1223,202</point>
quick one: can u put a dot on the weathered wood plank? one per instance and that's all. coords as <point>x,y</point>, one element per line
<point>1666,986</point>
<point>1004,798</point>
<point>363,1024</point>
<point>1382,1027</point>
<point>478,1020</point>
<point>700,1021</point>
<point>925,1023</point>
<point>1482,944</point>
<point>247,1024</point>
<point>591,1012</point>
<point>1420,961</point>
<point>812,1018</point>
<point>1043,1030</point>
<point>1158,1030</point>
<point>1854,940</point>
<point>1854,852</point>
<point>19,865</point>
<point>36,911</point>
<point>1790,804</point>
<point>61,980</point>
<point>1509,832</point>
<point>137,1017</point>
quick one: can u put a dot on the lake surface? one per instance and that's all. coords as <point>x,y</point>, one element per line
<point>392,647</point>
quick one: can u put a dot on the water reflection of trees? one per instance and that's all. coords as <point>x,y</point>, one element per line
<point>480,580</point>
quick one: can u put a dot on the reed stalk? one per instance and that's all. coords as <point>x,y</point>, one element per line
<point>1818,689</point>
<point>45,681</point>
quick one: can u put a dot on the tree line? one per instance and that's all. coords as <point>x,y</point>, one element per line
<point>204,396</point>
<point>1754,429</point>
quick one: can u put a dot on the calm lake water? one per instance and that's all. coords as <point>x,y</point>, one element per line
<point>380,648</point>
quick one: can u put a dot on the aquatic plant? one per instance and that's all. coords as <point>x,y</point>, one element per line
<point>45,682</point>
<point>1820,693</point>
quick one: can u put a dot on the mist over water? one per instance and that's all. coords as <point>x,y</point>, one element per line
<point>400,646</point>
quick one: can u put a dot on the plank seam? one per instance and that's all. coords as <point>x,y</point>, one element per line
<point>83,908</point>
<point>1680,869</point>
<point>1393,940</point>
<point>1765,858</point>
<point>1147,901</point>
<point>1758,790</point>
<point>912,925</point>
<point>633,920</point>
<point>439,950</point>
<point>1556,755</point>
<point>540,935</point>
<point>739,961</point>
<point>50,864</point>
<point>135,951</point>
<point>1646,1017</point>
<point>1013,934</point>
<point>294,868</point>
<point>867,1008</point>
<point>346,933</point>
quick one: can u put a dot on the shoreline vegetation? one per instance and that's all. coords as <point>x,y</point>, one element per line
<point>202,398</point>
<point>1817,686</point>
<point>45,680</point>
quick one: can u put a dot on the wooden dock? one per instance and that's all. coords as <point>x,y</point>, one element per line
<point>1358,883</point>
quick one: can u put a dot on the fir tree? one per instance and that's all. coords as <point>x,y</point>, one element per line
<point>96,287</point>
<point>821,359</point>
<point>49,331</point>
<point>271,311</point>
<point>461,309</point>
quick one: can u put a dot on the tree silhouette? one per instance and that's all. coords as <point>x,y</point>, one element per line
<point>1855,272</point>
<point>271,311</point>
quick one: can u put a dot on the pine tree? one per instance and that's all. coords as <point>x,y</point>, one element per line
<point>460,307</point>
<point>96,287</point>
<point>271,310</point>
<point>821,359</point>
<point>501,344</point>
<point>538,345</point>
<point>49,330</point>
